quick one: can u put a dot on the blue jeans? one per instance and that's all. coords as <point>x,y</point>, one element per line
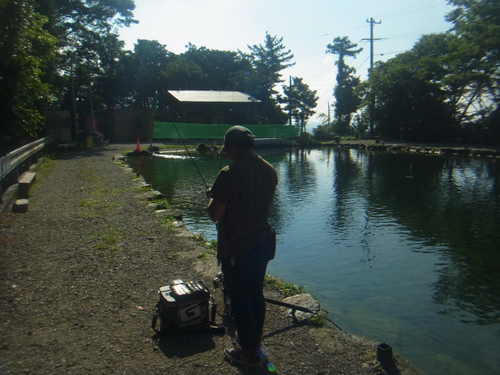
<point>244,279</point>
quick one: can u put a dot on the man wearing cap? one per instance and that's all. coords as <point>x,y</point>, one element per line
<point>239,201</point>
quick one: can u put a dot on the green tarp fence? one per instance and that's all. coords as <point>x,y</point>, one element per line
<point>170,130</point>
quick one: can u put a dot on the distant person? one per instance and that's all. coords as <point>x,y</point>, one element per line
<point>239,201</point>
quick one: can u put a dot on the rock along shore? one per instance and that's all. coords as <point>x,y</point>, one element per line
<point>80,271</point>
<point>472,151</point>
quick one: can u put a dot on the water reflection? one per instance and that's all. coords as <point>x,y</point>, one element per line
<point>401,247</point>
<point>297,177</point>
<point>450,204</point>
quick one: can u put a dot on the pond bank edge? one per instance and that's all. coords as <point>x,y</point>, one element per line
<point>208,267</point>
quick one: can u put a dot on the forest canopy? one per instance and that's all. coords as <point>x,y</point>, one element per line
<point>61,55</point>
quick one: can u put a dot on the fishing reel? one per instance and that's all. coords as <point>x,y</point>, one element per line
<point>218,281</point>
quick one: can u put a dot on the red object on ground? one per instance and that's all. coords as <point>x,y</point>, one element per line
<point>138,146</point>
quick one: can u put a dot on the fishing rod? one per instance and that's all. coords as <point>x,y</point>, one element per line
<point>190,156</point>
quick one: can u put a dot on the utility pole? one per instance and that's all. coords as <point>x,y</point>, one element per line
<point>372,22</point>
<point>328,109</point>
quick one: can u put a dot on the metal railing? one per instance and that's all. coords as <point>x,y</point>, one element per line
<point>18,159</point>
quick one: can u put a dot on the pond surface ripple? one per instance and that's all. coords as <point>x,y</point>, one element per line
<point>399,248</point>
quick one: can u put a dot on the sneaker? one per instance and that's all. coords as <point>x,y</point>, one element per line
<point>240,356</point>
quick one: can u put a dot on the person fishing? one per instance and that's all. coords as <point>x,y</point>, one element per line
<point>239,201</point>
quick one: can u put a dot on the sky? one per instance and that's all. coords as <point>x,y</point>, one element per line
<point>306,27</point>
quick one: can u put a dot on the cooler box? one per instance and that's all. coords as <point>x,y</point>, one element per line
<point>183,306</point>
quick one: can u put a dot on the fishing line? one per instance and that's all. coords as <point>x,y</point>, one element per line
<point>189,154</point>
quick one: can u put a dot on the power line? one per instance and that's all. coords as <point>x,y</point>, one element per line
<point>363,63</point>
<point>323,35</point>
<point>371,106</point>
<point>410,10</point>
<point>391,14</point>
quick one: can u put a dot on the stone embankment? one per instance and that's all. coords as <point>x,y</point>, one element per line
<point>434,149</point>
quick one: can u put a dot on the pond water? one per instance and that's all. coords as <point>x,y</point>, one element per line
<point>399,248</point>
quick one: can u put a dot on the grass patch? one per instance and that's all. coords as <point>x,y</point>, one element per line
<point>199,239</point>
<point>46,165</point>
<point>166,222</point>
<point>103,191</point>
<point>105,242</point>
<point>205,254</point>
<point>317,320</point>
<point>210,246</point>
<point>92,208</point>
<point>213,245</point>
<point>370,357</point>
<point>286,289</point>
<point>88,174</point>
<point>161,203</point>
<point>41,170</point>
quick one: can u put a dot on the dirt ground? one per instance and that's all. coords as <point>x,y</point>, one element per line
<point>79,279</point>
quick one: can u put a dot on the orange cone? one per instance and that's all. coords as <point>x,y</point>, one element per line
<point>138,146</point>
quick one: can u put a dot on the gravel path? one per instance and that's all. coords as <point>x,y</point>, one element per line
<point>79,274</point>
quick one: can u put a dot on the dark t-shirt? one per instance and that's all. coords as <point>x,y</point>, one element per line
<point>247,188</point>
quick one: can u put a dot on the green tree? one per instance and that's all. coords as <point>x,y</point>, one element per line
<point>111,77</point>
<point>446,86</point>
<point>77,23</point>
<point>87,49</point>
<point>268,61</point>
<point>411,104</point>
<point>222,70</point>
<point>299,101</point>
<point>478,21</point>
<point>182,74</point>
<point>25,49</point>
<point>477,25</point>
<point>324,130</point>
<point>345,92</point>
<point>144,72</point>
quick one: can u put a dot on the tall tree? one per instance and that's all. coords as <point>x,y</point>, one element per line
<point>268,61</point>
<point>447,85</point>
<point>411,104</point>
<point>222,70</point>
<point>88,44</point>
<point>299,101</point>
<point>145,71</point>
<point>77,22</point>
<point>478,21</point>
<point>25,49</point>
<point>110,76</point>
<point>182,74</point>
<point>477,24</point>
<point>347,99</point>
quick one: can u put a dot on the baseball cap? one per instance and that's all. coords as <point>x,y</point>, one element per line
<point>239,135</point>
